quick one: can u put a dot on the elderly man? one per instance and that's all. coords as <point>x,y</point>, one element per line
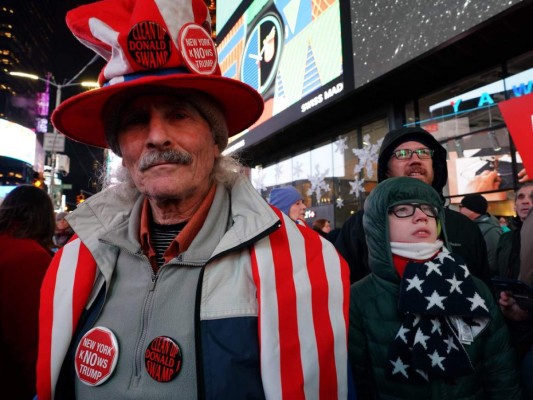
<point>416,153</point>
<point>182,282</point>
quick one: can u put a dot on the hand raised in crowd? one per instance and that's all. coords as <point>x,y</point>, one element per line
<point>484,182</point>
<point>522,176</point>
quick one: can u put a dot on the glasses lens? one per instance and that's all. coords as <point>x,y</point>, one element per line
<point>424,153</point>
<point>403,154</point>
<point>429,210</point>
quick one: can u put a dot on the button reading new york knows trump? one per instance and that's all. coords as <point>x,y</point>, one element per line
<point>96,356</point>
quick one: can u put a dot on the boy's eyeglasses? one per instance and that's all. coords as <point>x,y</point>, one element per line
<point>406,154</point>
<point>407,210</point>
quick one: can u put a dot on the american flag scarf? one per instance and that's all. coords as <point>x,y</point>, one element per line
<point>303,299</point>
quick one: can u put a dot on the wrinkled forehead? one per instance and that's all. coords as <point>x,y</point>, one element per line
<point>148,101</point>
<point>523,192</point>
<point>410,145</point>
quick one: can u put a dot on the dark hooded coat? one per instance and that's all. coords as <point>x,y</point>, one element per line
<point>375,319</point>
<point>464,236</point>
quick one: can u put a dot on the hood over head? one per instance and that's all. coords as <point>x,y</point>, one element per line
<point>398,136</point>
<point>388,193</point>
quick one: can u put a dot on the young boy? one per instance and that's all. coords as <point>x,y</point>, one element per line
<point>422,327</point>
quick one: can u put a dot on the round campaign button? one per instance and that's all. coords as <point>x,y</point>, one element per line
<point>149,45</point>
<point>197,49</point>
<point>96,356</point>
<point>162,359</point>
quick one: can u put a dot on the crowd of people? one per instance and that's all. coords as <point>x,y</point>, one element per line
<point>183,282</point>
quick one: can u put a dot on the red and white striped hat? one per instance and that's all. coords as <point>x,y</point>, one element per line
<point>163,43</point>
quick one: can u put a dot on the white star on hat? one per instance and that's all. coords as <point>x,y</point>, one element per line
<point>436,359</point>
<point>477,301</point>
<point>455,284</point>
<point>435,300</point>
<point>415,283</point>
<point>400,367</point>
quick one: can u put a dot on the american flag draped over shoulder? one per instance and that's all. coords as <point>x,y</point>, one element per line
<point>303,295</point>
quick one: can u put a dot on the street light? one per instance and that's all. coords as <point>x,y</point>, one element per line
<point>58,87</point>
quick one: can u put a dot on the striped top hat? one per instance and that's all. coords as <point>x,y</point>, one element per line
<point>162,43</point>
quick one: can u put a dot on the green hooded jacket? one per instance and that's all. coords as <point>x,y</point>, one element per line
<point>375,319</point>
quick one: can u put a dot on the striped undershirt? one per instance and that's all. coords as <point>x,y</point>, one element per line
<point>161,236</point>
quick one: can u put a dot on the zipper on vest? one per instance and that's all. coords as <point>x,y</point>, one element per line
<point>146,314</point>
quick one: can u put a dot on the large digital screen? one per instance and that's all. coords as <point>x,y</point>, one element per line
<point>17,141</point>
<point>387,34</point>
<point>290,51</point>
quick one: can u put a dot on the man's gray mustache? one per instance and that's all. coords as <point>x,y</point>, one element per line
<point>168,156</point>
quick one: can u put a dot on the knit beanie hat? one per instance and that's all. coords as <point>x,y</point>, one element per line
<point>284,197</point>
<point>476,203</point>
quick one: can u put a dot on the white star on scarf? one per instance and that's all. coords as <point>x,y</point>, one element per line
<point>455,284</point>
<point>435,300</point>
<point>401,333</point>
<point>400,367</point>
<point>436,359</point>
<point>432,267</point>
<point>451,345</point>
<point>421,338</point>
<point>477,301</point>
<point>467,272</point>
<point>423,374</point>
<point>436,325</point>
<point>415,283</point>
<point>444,254</point>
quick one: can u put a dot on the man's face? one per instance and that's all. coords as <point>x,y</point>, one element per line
<point>523,202</point>
<point>297,210</point>
<point>167,147</point>
<point>414,167</point>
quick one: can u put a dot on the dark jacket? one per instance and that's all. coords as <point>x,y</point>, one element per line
<point>508,251</point>
<point>464,236</point>
<point>375,322</point>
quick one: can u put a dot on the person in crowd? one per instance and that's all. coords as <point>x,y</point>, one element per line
<point>508,251</point>
<point>504,224</point>
<point>182,281</point>
<point>322,226</point>
<point>26,229</point>
<point>422,326</point>
<point>519,319</point>
<point>289,200</point>
<point>416,153</point>
<point>475,206</point>
<point>63,231</point>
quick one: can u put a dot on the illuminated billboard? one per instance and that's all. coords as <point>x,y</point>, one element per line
<point>17,141</point>
<point>290,51</point>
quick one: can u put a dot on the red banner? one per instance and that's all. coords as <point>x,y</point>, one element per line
<point>518,115</point>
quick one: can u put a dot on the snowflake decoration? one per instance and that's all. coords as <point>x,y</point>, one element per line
<point>357,186</point>
<point>368,155</point>
<point>259,181</point>
<point>340,202</point>
<point>340,145</point>
<point>318,183</point>
<point>297,169</point>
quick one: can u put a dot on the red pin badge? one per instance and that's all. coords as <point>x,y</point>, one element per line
<point>162,359</point>
<point>96,356</point>
<point>197,49</point>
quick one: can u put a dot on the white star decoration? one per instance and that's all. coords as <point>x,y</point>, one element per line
<point>297,169</point>
<point>401,333</point>
<point>278,171</point>
<point>465,268</point>
<point>445,253</point>
<point>436,359</point>
<point>477,301</point>
<point>421,338</point>
<point>454,284</point>
<point>340,202</point>
<point>318,183</point>
<point>340,145</point>
<point>415,283</point>
<point>357,186</point>
<point>435,300</point>
<point>436,326</point>
<point>450,344</point>
<point>367,156</point>
<point>432,267</point>
<point>399,367</point>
